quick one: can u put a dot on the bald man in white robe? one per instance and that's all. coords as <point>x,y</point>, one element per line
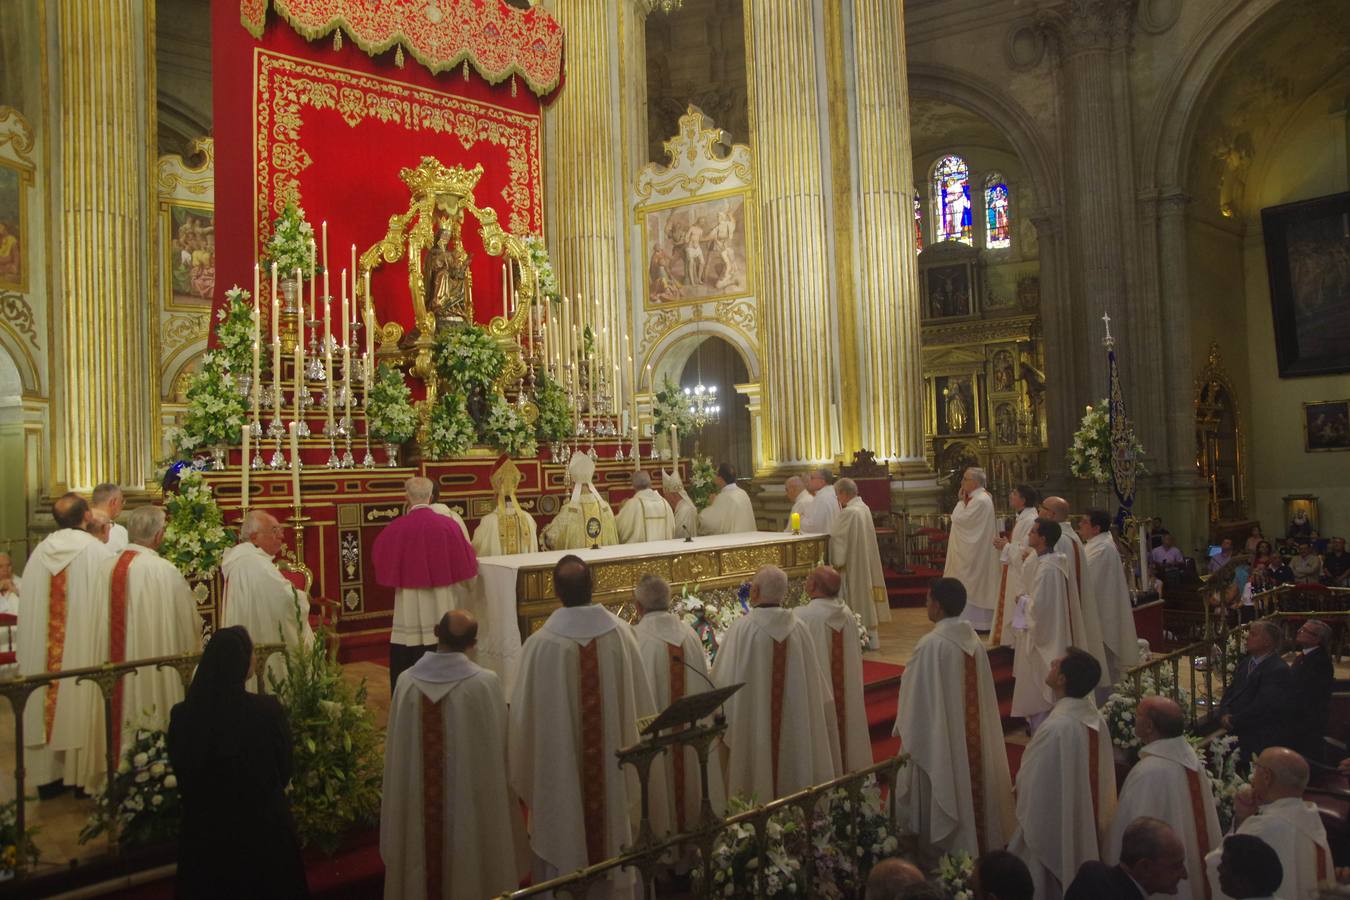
<point>834,633</point>
<point>855,553</point>
<point>800,498</point>
<point>972,558</point>
<point>824,508</point>
<point>645,516</point>
<point>259,597</point>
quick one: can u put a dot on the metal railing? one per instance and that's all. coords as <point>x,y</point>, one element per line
<point>106,676</point>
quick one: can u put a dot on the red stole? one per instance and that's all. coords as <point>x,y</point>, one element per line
<point>998,614</point>
<point>837,685</point>
<point>974,748</point>
<point>1094,760</point>
<point>1198,814</point>
<point>776,683</point>
<point>56,643</point>
<point>593,754</point>
<point>675,659</point>
<point>117,640</point>
<point>433,795</point>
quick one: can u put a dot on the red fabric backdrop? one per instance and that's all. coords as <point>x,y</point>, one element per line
<point>334,127</point>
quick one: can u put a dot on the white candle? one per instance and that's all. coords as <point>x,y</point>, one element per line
<point>276,304</point>
<point>327,321</point>
<point>353,270</point>
<point>347,380</point>
<point>345,317</point>
<point>299,319</point>
<point>674,449</point>
<point>244,468</point>
<point>299,382</point>
<point>326,293</point>
<point>257,286</point>
<point>311,279</point>
<point>328,364</point>
<point>505,300</point>
<point>295,464</point>
<point>255,388</point>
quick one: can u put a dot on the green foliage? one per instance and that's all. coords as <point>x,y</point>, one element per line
<point>195,537</point>
<point>543,266</point>
<point>12,844</point>
<point>506,431</point>
<point>669,408</point>
<point>338,767</point>
<point>234,334</point>
<point>470,359</point>
<point>290,242</point>
<point>701,484</point>
<point>1091,452</point>
<point>141,804</point>
<point>555,421</point>
<point>389,410</point>
<point>450,430</point>
<point>216,410</point>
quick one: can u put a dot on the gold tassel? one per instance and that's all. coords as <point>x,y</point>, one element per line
<point>398,56</point>
<point>466,68</point>
<point>513,85</point>
<point>337,40</point>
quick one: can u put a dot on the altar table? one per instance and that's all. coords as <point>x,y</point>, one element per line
<point>513,595</point>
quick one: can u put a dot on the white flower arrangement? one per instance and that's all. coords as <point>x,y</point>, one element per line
<point>956,875</point>
<point>195,536</point>
<point>470,358</point>
<point>701,484</point>
<point>389,408</point>
<point>1118,710</point>
<point>1220,758</point>
<point>543,266</point>
<point>140,804</point>
<point>450,430</point>
<point>505,430</point>
<point>1091,452</point>
<point>289,246</point>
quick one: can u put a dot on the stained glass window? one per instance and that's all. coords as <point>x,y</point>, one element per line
<point>918,224</point>
<point>951,199</point>
<point>998,234</point>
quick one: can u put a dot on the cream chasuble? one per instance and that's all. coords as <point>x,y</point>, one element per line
<point>854,552</point>
<point>686,519</point>
<point>1104,586</point>
<point>645,516</point>
<point>778,725</point>
<point>801,506</point>
<point>1293,828</point>
<point>1072,547</point>
<point>834,634</point>
<point>1169,783</point>
<point>449,826</point>
<point>260,598</point>
<point>1066,795</point>
<point>822,512</point>
<point>956,790</point>
<point>669,649</point>
<point>1053,623</point>
<point>1013,581</point>
<point>971,557</point>
<point>729,513</point>
<point>586,520</point>
<point>60,587</point>
<point>506,531</point>
<point>578,697</point>
<point>118,539</point>
<point>144,609</point>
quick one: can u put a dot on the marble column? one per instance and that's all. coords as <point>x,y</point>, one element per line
<point>796,293</point>
<point>103,63</point>
<point>1178,370</point>
<point>1060,405</point>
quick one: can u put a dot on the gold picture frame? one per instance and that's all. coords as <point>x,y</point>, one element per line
<point>188,230</point>
<point>1326,426</point>
<point>725,233</point>
<point>15,179</point>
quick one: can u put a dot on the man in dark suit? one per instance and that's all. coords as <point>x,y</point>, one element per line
<point>1152,861</point>
<point>1254,705</point>
<point>1310,679</point>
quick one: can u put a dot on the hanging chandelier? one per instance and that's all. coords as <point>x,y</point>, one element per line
<point>702,400</point>
<point>665,6</point>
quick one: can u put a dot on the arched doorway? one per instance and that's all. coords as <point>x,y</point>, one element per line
<point>717,363</point>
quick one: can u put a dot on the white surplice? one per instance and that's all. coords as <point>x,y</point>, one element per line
<point>546,735</point>
<point>1063,803</point>
<point>805,754</point>
<point>482,852</point>
<point>502,532</point>
<point>949,740</point>
<point>260,598</point>
<point>1105,589</point>
<point>645,516</point>
<point>118,539</point>
<point>971,556</point>
<point>824,509</point>
<point>729,513</point>
<point>451,515</point>
<point>686,519</point>
<point>831,625</point>
<point>854,552</point>
<point>1170,783</point>
<point>1013,578</point>
<point>1071,545</point>
<point>1053,623</point>
<point>161,620</point>
<point>1293,828</point>
<point>667,644</point>
<point>801,506</point>
<point>73,556</point>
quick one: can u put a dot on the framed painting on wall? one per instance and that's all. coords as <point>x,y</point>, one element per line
<point>191,262</point>
<point>13,227</point>
<point>1326,425</point>
<point>949,292</point>
<point>1308,257</point>
<point>697,250</point>
<point>955,404</point>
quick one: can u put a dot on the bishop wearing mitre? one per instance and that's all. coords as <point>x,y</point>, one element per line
<point>586,520</point>
<point>778,725</point>
<point>834,635</point>
<point>258,596</point>
<point>1053,621</point>
<point>730,511</point>
<point>854,552</point>
<point>1066,785</point>
<point>1104,583</point>
<point>427,560</point>
<point>1012,551</point>
<point>686,513</point>
<point>675,666</point>
<point>60,586</point>
<point>645,516</point>
<point>972,558</point>
<point>508,528</point>
<point>144,609</point>
<point>449,827</point>
<point>578,697</point>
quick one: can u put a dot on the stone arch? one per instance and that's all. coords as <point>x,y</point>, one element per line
<point>668,356</point>
<point>22,361</point>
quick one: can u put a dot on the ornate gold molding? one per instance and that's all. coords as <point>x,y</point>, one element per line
<point>693,162</point>
<point>17,133</point>
<point>173,172</point>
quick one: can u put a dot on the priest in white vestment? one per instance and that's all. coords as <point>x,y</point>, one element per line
<point>1052,621</point>
<point>445,510</point>
<point>1066,785</point>
<point>578,697</point>
<point>730,511</point>
<point>834,633</point>
<point>145,609</point>
<point>586,520</point>
<point>1012,583</point>
<point>508,529</point>
<point>60,588</point>
<point>107,498</point>
<point>1272,808</point>
<point>856,555</point>
<point>1169,783</point>
<point>675,666</point>
<point>686,513</point>
<point>1056,509</point>
<point>1105,590</point>
<point>824,508</point>
<point>800,498</point>
<point>645,516</point>
<point>778,724</point>
<point>258,597</point>
<point>972,557</point>
<point>449,826</point>
<point>956,790</point>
